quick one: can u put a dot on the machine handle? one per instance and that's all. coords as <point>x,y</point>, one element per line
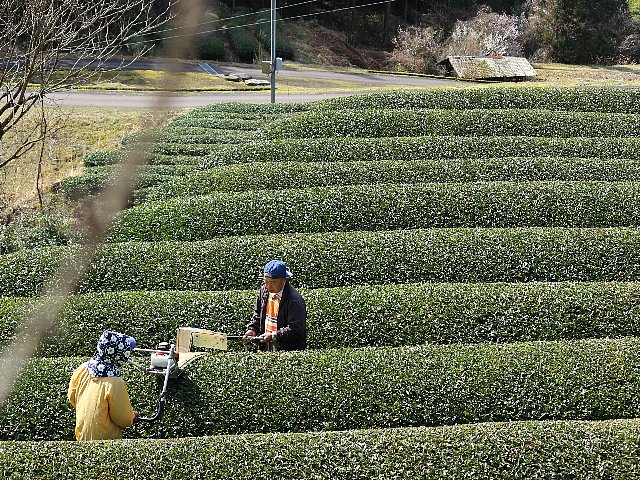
<point>255,338</point>
<point>162,400</point>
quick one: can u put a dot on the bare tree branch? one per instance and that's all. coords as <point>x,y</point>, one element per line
<point>43,132</point>
<point>36,36</point>
<point>65,281</point>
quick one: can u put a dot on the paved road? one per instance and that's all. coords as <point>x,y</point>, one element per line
<point>102,99</point>
<point>366,79</point>
<point>107,99</point>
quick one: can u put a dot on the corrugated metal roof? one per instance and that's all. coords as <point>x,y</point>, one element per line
<point>494,66</point>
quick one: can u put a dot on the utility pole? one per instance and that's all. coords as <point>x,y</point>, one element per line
<point>273,51</point>
<point>387,15</point>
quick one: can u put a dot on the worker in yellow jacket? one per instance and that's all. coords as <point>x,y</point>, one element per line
<point>98,392</point>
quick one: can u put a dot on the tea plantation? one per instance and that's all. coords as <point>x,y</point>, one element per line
<point>471,265</point>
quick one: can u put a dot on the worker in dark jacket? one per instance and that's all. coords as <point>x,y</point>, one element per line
<point>280,314</point>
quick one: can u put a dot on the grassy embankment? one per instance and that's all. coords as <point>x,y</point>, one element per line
<point>79,131</point>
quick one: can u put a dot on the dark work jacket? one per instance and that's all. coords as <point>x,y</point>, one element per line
<point>292,319</point>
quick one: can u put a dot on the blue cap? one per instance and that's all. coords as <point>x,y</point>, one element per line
<point>277,269</point>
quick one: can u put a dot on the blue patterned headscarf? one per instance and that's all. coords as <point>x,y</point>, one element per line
<point>113,349</point>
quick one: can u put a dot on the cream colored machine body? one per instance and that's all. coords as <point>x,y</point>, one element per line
<point>191,343</point>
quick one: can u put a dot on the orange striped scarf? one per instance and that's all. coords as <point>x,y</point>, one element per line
<point>271,320</point>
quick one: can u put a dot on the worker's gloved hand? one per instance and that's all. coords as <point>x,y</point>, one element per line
<point>247,336</point>
<point>267,338</point>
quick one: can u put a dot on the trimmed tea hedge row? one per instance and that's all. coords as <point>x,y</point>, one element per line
<point>168,161</point>
<point>609,100</point>
<point>606,100</point>
<point>181,146</point>
<point>382,207</point>
<point>189,149</point>
<point>167,170</point>
<point>530,450</point>
<point>262,175</point>
<point>199,134</point>
<point>360,316</point>
<point>216,136</point>
<point>110,158</point>
<point>250,108</point>
<point>411,123</point>
<point>12,312</point>
<point>103,157</point>
<point>210,112</point>
<point>94,179</point>
<point>345,258</point>
<point>322,389</point>
<point>90,183</point>
<point>421,148</point>
<point>214,122</point>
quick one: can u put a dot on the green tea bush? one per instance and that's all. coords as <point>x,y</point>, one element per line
<point>211,123</point>
<point>420,148</point>
<point>531,450</point>
<point>180,149</point>
<point>101,158</point>
<point>38,229</point>
<point>93,160</point>
<point>201,134</point>
<point>359,316</point>
<point>382,207</point>
<point>411,123</point>
<point>90,182</point>
<point>345,258</point>
<point>110,158</point>
<point>213,119</point>
<point>171,148</point>
<point>262,175</point>
<point>12,313</point>
<point>607,100</point>
<point>211,112</point>
<point>248,109</point>
<point>97,178</point>
<point>169,170</point>
<point>178,161</point>
<point>323,389</point>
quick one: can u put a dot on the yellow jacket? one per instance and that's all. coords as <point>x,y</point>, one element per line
<point>102,405</point>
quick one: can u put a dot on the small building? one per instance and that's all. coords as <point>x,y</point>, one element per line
<point>491,67</point>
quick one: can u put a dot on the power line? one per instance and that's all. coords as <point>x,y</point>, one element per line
<point>225,19</point>
<point>339,9</point>
<point>325,12</point>
<point>265,21</point>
